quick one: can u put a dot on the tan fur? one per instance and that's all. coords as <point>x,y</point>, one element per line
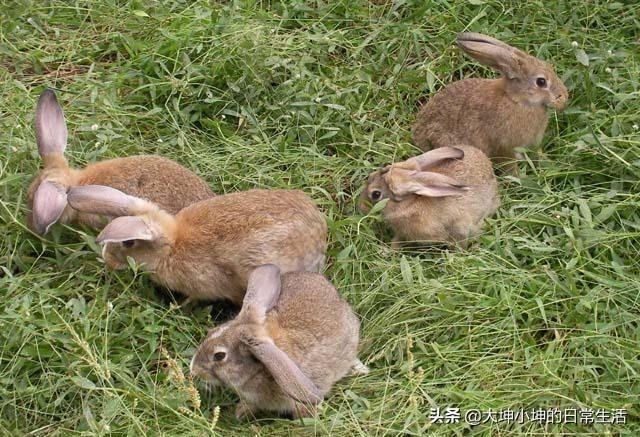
<point>149,177</point>
<point>154,178</point>
<point>494,115</point>
<point>452,219</point>
<point>209,248</point>
<point>310,323</point>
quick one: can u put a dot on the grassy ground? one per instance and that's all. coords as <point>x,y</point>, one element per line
<point>541,312</point>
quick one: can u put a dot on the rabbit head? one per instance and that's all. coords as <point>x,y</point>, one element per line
<point>443,195</point>
<point>241,355</point>
<point>411,177</point>
<point>529,79</point>
<point>47,193</point>
<point>141,230</point>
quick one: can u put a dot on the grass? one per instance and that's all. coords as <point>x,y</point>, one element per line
<point>542,311</point>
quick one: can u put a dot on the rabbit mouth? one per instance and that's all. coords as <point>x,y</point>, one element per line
<point>212,380</point>
<point>559,104</point>
<point>208,376</point>
<point>209,385</point>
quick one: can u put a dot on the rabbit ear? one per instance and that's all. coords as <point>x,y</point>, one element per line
<point>492,52</point>
<point>263,291</point>
<point>98,199</point>
<point>51,129</point>
<point>431,158</point>
<point>429,184</point>
<point>480,37</point>
<point>126,228</point>
<point>284,370</point>
<point>49,201</point>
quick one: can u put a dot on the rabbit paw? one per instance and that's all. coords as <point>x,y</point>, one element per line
<point>358,368</point>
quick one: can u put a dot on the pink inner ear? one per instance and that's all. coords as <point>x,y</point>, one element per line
<point>49,202</point>
<point>263,291</point>
<point>432,184</point>
<point>499,57</point>
<point>480,37</point>
<point>99,199</point>
<point>125,228</point>
<point>439,191</point>
<point>423,183</point>
<point>51,129</point>
<point>431,158</point>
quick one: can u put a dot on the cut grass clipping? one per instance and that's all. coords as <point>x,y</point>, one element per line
<point>541,312</point>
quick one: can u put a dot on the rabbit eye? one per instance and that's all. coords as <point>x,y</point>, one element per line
<point>219,356</point>
<point>541,82</point>
<point>128,243</point>
<point>375,195</point>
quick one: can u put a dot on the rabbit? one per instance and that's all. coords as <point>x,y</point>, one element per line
<point>441,196</point>
<point>208,249</point>
<point>157,179</point>
<point>292,340</point>
<point>494,115</point>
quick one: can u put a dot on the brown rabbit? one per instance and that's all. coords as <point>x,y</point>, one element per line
<point>440,196</point>
<point>209,248</point>
<point>293,339</point>
<point>157,179</point>
<point>494,115</point>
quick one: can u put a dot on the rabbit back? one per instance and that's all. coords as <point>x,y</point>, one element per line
<point>315,327</point>
<point>159,180</point>
<point>480,113</point>
<point>234,233</point>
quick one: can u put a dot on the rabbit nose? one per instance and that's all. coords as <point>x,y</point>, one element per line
<point>561,101</point>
